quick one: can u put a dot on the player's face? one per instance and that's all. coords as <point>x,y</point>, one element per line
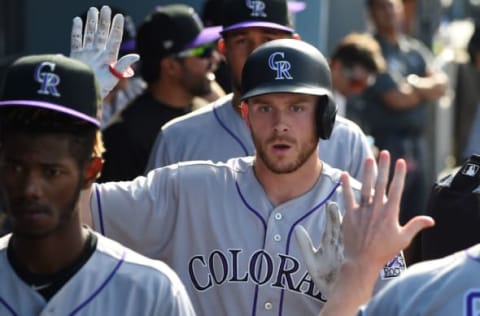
<point>41,183</point>
<point>283,130</point>
<point>351,80</point>
<point>238,44</point>
<point>196,75</point>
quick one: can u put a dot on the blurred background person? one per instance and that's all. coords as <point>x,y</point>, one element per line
<point>395,111</point>
<point>355,63</point>
<point>467,100</point>
<point>176,61</point>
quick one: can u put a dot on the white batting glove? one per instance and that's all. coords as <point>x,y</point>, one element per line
<point>323,263</point>
<point>99,47</point>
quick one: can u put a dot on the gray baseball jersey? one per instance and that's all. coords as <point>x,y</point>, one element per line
<point>215,226</point>
<point>443,287</point>
<point>216,132</point>
<point>114,281</point>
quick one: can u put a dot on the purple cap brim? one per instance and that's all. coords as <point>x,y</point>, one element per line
<point>51,106</point>
<point>128,46</point>
<point>296,6</point>
<point>268,25</point>
<point>208,35</point>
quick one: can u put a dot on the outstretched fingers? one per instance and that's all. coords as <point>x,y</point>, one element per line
<point>332,232</point>
<point>76,36</point>
<point>90,27</point>
<point>368,179</point>
<point>382,179</point>
<point>103,28</point>
<point>396,188</point>
<point>115,38</point>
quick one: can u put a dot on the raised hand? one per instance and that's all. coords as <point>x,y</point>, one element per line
<point>323,263</point>
<point>372,235</point>
<point>99,45</point>
<point>371,230</point>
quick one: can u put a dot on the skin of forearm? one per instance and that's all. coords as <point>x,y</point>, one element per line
<point>84,207</point>
<point>403,98</point>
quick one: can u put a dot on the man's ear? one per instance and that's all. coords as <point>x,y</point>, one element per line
<point>244,110</point>
<point>296,36</point>
<point>169,66</point>
<point>92,171</point>
<point>221,46</point>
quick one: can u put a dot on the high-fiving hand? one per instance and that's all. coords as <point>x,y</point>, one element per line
<point>371,230</point>
<point>372,234</point>
<point>323,262</point>
<point>99,45</point>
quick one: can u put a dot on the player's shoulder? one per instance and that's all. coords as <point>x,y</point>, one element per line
<point>232,165</point>
<point>333,175</point>
<point>448,264</point>
<point>346,125</point>
<point>4,242</point>
<point>199,120</point>
<point>135,266</point>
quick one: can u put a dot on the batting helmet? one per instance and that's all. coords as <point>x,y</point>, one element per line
<point>291,66</point>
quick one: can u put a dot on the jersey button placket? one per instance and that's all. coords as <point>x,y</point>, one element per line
<point>268,306</point>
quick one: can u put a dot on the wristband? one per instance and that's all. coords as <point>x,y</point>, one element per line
<point>126,74</point>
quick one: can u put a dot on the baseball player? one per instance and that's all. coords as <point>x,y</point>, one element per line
<point>50,149</point>
<point>228,228</point>
<point>217,132</point>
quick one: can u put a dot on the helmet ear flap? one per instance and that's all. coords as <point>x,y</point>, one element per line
<point>325,116</point>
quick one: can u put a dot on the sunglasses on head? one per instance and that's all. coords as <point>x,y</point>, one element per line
<point>203,51</point>
<point>358,80</point>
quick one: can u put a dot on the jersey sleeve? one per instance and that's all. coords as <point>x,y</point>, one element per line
<point>159,153</point>
<point>174,300</point>
<point>141,214</point>
<point>388,301</point>
<point>360,149</point>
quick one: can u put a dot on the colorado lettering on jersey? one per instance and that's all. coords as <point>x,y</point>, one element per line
<point>219,268</point>
<point>472,303</point>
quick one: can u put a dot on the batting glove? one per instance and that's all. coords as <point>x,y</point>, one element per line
<point>99,47</point>
<point>323,263</point>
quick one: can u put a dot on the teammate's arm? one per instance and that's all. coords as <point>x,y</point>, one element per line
<point>98,47</point>
<point>84,207</point>
<point>372,235</point>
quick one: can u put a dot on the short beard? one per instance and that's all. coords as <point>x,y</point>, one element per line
<point>304,155</point>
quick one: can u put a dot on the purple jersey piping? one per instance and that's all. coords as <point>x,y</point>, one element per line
<point>264,223</point>
<point>237,139</point>
<point>289,238</point>
<point>102,286</point>
<point>100,211</point>
<point>10,309</point>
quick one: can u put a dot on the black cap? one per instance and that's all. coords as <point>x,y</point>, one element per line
<point>53,82</point>
<point>238,14</point>
<point>171,29</point>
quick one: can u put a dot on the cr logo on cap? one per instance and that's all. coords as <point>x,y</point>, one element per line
<point>257,7</point>
<point>49,80</point>
<point>280,66</point>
